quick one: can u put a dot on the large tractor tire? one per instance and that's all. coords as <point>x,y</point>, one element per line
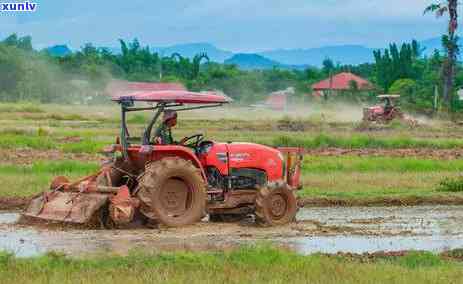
<point>276,205</point>
<point>173,192</point>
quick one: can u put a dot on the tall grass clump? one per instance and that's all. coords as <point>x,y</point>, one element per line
<point>451,185</point>
<point>416,260</point>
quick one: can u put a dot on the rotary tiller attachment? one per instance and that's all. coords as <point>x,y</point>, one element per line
<point>79,202</point>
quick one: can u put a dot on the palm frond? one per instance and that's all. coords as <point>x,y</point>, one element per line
<point>438,8</point>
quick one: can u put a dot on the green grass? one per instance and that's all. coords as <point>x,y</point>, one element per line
<point>365,141</point>
<point>357,186</point>
<point>85,146</point>
<point>21,107</point>
<point>318,164</point>
<point>26,180</point>
<point>244,265</point>
<point>40,142</point>
<point>11,141</point>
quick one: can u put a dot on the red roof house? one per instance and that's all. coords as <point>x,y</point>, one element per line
<point>341,82</point>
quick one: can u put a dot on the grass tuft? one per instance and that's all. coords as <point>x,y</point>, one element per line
<point>451,185</point>
<point>416,260</point>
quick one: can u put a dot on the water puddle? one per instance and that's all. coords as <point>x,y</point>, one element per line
<point>328,230</point>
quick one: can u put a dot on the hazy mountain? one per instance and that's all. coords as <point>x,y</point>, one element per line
<point>249,61</point>
<point>252,61</point>
<point>345,54</point>
<point>59,50</point>
<point>283,58</point>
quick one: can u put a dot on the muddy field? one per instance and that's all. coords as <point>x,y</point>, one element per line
<point>327,230</point>
<point>361,187</point>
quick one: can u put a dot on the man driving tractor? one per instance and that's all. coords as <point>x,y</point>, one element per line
<point>388,107</point>
<point>163,134</point>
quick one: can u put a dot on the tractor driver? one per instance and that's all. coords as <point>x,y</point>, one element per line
<point>387,106</point>
<point>163,134</point>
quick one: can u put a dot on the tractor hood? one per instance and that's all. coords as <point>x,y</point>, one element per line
<point>225,156</point>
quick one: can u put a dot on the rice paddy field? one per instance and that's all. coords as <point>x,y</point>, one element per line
<point>346,164</point>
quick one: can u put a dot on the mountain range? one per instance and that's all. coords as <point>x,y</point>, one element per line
<point>282,58</point>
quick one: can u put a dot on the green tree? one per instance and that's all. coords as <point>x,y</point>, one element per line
<point>450,43</point>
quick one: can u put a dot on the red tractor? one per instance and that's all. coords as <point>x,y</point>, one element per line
<point>386,113</point>
<point>177,184</point>
<point>383,113</point>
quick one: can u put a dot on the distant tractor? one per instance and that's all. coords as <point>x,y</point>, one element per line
<point>389,111</point>
<point>154,179</point>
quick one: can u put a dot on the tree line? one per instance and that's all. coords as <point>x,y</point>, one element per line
<point>27,74</point>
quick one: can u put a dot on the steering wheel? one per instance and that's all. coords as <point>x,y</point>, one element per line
<point>194,144</point>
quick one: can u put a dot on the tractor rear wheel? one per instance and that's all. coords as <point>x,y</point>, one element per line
<point>276,205</point>
<point>173,192</point>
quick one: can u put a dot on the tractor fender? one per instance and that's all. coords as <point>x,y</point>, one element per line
<point>165,151</point>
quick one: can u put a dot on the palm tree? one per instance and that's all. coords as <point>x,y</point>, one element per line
<point>450,43</point>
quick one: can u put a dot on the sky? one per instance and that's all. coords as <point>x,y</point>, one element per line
<point>245,26</point>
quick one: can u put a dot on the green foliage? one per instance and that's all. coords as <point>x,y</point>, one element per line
<point>396,64</point>
<point>81,76</point>
<point>451,185</point>
<point>403,87</point>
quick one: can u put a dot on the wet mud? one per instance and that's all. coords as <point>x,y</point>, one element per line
<point>355,230</point>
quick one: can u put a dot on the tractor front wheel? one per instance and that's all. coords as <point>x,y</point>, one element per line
<point>276,205</point>
<point>174,192</point>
